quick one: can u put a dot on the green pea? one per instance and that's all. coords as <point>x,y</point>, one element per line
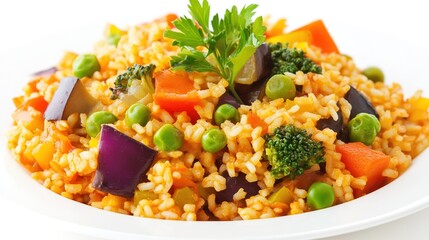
<point>213,140</point>
<point>137,113</point>
<point>85,65</point>
<point>320,195</point>
<point>95,120</point>
<point>168,138</point>
<point>226,112</point>
<point>280,86</point>
<point>374,74</point>
<point>364,127</point>
<point>113,39</point>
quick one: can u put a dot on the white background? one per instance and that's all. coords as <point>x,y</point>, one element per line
<point>72,25</point>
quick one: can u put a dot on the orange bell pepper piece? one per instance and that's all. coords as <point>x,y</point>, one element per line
<point>321,36</point>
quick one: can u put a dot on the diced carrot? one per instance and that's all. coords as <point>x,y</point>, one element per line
<point>292,37</point>
<point>44,153</point>
<point>321,36</point>
<point>361,160</point>
<point>254,120</point>
<point>175,93</point>
<point>185,179</point>
<point>276,29</point>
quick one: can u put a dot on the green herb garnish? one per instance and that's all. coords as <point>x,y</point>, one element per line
<point>221,45</point>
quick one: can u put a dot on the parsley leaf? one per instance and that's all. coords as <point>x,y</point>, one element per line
<point>222,45</point>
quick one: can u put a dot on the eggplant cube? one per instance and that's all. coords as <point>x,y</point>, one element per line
<point>70,97</point>
<point>122,162</point>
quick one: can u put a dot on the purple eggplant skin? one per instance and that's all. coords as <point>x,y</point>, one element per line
<point>264,66</point>
<point>337,126</point>
<point>251,93</point>
<point>360,103</point>
<point>228,98</point>
<point>122,162</point>
<point>45,72</point>
<point>70,97</point>
<point>233,184</point>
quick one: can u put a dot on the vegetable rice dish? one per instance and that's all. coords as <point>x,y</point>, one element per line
<point>227,116</point>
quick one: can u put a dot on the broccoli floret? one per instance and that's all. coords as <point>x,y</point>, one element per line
<point>291,151</point>
<point>136,72</point>
<point>291,60</point>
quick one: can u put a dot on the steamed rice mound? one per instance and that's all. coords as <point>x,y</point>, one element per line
<point>70,172</point>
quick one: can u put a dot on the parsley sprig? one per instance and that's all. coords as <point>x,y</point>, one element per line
<point>220,45</point>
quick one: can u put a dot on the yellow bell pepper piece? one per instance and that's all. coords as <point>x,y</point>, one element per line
<point>292,37</point>
<point>419,109</point>
<point>283,195</point>
<point>43,154</point>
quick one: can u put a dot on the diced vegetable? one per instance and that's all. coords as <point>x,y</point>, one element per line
<point>361,160</point>
<point>276,29</point>
<point>122,162</point>
<point>37,103</point>
<point>283,195</point>
<point>255,121</point>
<point>228,98</point>
<point>419,109</point>
<point>292,37</point>
<point>205,192</point>
<point>183,196</point>
<point>320,36</point>
<point>43,153</point>
<point>257,67</point>
<point>45,72</point>
<point>140,195</point>
<point>320,195</point>
<point>251,93</point>
<point>113,34</point>
<point>335,125</point>
<point>185,179</point>
<point>169,18</point>
<point>70,97</point>
<point>359,102</point>
<point>175,93</point>
<point>233,184</point>
<point>28,118</point>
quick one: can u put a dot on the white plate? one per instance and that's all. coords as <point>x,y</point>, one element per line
<point>367,45</point>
